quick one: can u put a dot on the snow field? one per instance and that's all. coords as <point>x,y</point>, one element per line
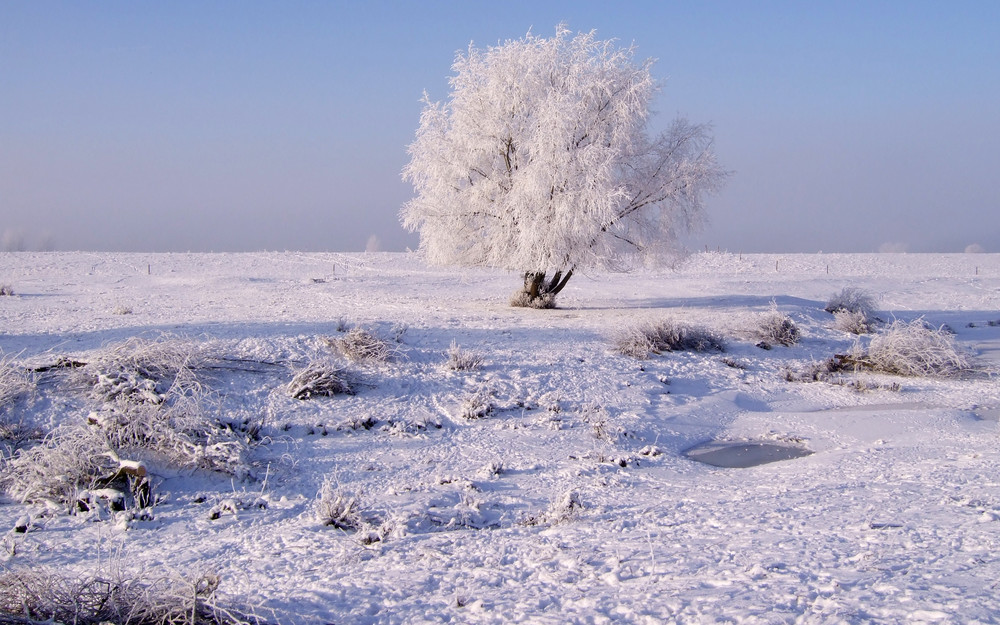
<point>567,498</point>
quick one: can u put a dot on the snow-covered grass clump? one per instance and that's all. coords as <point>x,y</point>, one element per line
<point>852,299</point>
<point>775,327</point>
<point>143,370</point>
<point>852,322</point>
<point>364,345</point>
<point>36,596</point>
<point>463,359</point>
<point>912,349</point>
<point>668,335</point>
<point>69,461</point>
<point>151,406</point>
<point>853,310</point>
<point>320,379</point>
<point>337,508</point>
<point>15,384</point>
<point>523,299</point>
<point>14,381</point>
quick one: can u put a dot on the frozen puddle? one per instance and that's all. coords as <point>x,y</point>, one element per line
<point>987,414</point>
<point>744,454</point>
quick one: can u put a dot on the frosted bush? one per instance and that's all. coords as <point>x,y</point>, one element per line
<point>856,322</point>
<point>560,511</point>
<point>41,595</point>
<point>14,381</point>
<point>360,344</point>
<point>144,370</point>
<point>6,290</point>
<point>776,327</point>
<point>524,299</point>
<point>639,341</point>
<point>477,405</point>
<point>337,508</point>
<point>183,434</point>
<point>853,300</point>
<point>82,457</point>
<point>67,462</point>
<point>319,379</point>
<point>911,348</point>
<point>463,360</point>
<point>183,430</point>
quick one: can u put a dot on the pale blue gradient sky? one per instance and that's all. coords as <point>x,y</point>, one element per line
<point>220,126</point>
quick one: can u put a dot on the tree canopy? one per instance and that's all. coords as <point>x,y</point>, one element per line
<point>541,161</point>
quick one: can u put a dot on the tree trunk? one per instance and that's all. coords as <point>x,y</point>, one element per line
<point>539,292</point>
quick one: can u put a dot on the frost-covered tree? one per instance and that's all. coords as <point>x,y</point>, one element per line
<point>541,162</point>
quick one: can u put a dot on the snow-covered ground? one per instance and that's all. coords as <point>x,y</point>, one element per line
<point>571,500</point>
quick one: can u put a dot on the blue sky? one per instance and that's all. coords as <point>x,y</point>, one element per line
<point>226,126</point>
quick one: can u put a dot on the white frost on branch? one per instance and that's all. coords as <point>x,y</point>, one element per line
<point>541,160</point>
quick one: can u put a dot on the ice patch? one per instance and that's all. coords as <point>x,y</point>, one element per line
<point>744,454</point>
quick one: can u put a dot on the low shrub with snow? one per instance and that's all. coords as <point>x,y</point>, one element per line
<point>319,379</point>
<point>40,595</point>
<point>15,384</point>
<point>6,290</point>
<point>477,405</point>
<point>69,461</point>
<point>853,300</point>
<point>560,511</point>
<point>360,344</point>
<point>337,508</point>
<point>852,322</point>
<point>142,370</point>
<point>152,407</point>
<point>775,327</point>
<point>599,419</point>
<point>912,349</point>
<point>84,457</point>
<point>187,433</point>
<point>462,360</point>
<point>523,299</point>
<point>641,340</point>
<point>14,381</point>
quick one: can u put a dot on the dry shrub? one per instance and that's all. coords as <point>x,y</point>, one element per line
<point>337,508</point>
<point>6,290</point>
<point>478,404</point>
<point>15,381</point>
<point>81,457</point>
<point>153,408</point>
<point>560,511</point>
<point>856,322</point>
<point>462,360</point>
<point>183,433</point>
<point>67,462</point>
<point>641,340</point>
<point>523,299</point>
<point>912,349</point>
<point>31,596</point>
<point>852,299</point>
<point>319,379</point>
<point>360,344</point>
<point>146,369</point>
<point>776,327</point>
<point>155,404</point>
